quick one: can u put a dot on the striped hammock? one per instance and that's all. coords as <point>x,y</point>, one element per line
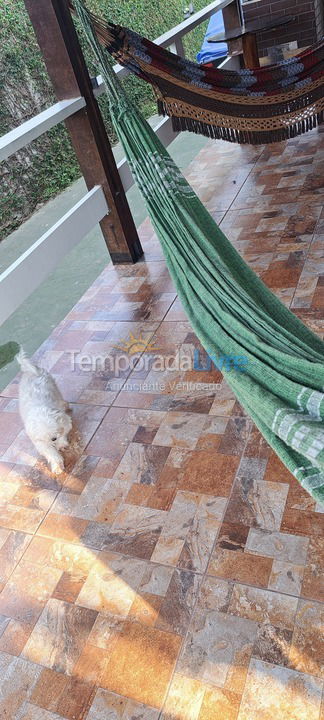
<point>232,312</point>
<point>245,106</point>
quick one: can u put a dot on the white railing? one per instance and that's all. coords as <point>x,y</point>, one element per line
<point>31,268</point>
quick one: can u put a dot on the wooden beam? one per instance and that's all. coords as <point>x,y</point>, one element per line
<point>250,50</point>
<point>58,41</point>
<point>233,18</point>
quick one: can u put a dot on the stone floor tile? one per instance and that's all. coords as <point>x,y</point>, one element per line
<point>179,601</point>
<point>307,647</point>
<point>109,705</point>
<point>27,591</point>
<point>240,566</point>
<point>18,679</point>
<point>59,635</point>
<point>180,430</point>
<point>281,546</point>
<point>211,473</point>
<point>274,691</point>
<point>141,663</point>
<point>15,636</point>
<point>219,703</point>
<point>112,584</point>
<point>176,563</point>
<point>184,699</point>
<point>286,577</point>
<point>263,606</point>
<point>272,644</point>
<point>313,579</point>
<point>12,547</point>
<point>217,649</point>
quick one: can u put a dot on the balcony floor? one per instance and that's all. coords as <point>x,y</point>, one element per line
<point>175,570</point>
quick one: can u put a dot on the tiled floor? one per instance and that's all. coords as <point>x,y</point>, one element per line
<point>175,570</point>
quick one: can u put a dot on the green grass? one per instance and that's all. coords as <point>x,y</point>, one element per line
<point>48,165</point>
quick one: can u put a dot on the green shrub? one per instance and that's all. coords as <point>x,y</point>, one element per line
<point>48,165</point>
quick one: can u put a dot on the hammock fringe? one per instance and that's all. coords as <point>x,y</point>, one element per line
<point>243,137</point>
<point>256,106</point>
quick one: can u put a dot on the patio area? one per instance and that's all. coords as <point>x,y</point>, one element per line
<point>175,570</point>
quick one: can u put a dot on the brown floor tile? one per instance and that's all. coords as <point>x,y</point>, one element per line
<point>276,471</point>
<point>184,699</point>
<point>68,587</point>
<point>302,522</point>
<point>63,528</point>
<point>240,566</point>
<point>145,608</point>
<point>91,664</point>
<point>141,663</point>
<point>27,591</point>
<point>15,636</point>
<point>219,703</point>
<point>75,699</point>
<point>200,471</point>
<point>48,689</point>
<point>25,520</point>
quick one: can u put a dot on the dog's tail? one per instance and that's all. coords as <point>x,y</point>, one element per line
<point>26,364</point>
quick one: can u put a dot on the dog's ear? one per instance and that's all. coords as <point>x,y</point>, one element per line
<point>64,423</point>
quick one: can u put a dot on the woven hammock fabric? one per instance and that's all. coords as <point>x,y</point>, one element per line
<point>246,106</point>
<point>232,312</point>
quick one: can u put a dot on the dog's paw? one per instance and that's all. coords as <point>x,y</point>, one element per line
<point>57,468</point>
<point>62,444</point>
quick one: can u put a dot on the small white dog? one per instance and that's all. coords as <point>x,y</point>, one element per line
<point>43,412</point>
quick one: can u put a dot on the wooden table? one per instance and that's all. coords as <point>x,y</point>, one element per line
<point>248,32</point>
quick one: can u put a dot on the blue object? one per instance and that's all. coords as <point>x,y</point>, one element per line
<point>212,51</point>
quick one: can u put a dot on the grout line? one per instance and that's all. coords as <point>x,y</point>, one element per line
<point>253,165</point>
<point>306,259</point>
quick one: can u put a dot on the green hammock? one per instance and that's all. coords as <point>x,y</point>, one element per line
<point>8,352</point>
<point>232,312</point>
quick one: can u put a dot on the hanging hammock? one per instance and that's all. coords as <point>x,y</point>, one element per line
<point>245,106</point>
<point>232,312</point>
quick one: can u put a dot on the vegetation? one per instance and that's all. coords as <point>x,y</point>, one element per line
<point>48,165</point>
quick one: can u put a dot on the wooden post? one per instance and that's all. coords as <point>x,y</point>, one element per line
<point>59,44</point>
<point>250,50</point>
<point>233,18</point>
